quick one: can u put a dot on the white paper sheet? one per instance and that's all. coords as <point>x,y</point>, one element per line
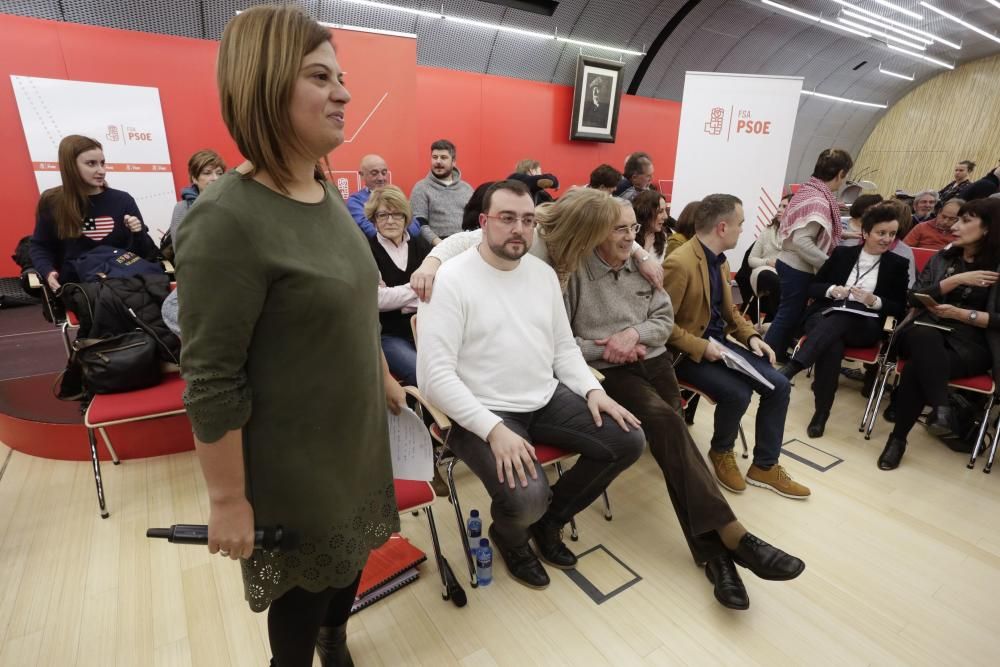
<point>410,443</point>
<point>738,363</point>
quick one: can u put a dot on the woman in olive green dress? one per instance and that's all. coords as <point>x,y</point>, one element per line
<point>286,385</point>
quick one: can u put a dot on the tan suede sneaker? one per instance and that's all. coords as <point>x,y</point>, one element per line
<point>778,480</point>
<point>726,470</point>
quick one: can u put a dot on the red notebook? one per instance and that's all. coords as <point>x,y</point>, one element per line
<point>397,556</point>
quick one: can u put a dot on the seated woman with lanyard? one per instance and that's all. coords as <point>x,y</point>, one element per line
<point>397,255</point>
<point>956,329</point>
<point>854,291</point>
<point>84,215</point>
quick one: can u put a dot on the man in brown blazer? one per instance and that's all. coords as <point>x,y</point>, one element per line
<point>696,276</point>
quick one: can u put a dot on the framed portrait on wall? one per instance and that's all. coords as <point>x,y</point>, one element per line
<point>596,99</point>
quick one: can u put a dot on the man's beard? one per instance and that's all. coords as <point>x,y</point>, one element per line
<point>502,250</point>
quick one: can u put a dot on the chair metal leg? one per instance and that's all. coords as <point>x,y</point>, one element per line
<point>97,473</point>
<point>607,507</point>
<point>743,439</point>
<point>871,396</point>
<point>111,450</point>
<point>993,451</point>
<point>980,441</point>
<point>880,391</point>
<point>473,579</point>
<point>573,534</point>
<point>64,329</point>
<point>437,551</point>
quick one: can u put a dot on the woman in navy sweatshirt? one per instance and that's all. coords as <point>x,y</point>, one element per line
<point>82,214</point>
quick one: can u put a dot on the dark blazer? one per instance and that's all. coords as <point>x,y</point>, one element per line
<point>893,281</point>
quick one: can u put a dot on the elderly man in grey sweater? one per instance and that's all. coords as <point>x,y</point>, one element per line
<point>622,325</point>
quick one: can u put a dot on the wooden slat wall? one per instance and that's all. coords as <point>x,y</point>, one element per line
<point>954,116</point>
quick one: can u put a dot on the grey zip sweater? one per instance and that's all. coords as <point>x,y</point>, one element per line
<point>440,204</point>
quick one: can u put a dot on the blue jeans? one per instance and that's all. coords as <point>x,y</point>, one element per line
<point>401,356</point>
<point>794,294</point>
<point>731,391</point>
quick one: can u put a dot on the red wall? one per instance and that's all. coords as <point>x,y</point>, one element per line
<point>494,121</point>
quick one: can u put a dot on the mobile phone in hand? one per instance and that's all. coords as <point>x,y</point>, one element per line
<point>926,299</point>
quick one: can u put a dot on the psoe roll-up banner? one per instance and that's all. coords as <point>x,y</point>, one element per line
<point>126,120</point>
<point>735,136</point>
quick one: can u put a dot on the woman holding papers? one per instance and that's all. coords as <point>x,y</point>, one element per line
<point>853,293</point>
<point>956,329</point>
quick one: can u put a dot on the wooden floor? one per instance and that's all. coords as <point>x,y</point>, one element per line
<point>902,568</point>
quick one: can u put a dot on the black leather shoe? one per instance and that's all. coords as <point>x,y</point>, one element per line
<point>890,412</point>
<point>765,561</point>
<point>791,369</point>
<point>817,425</point>
<point>331,647</point>
<point>939,424</point>
<point>521,563</point>
<point>892,454</point>
<point>729,589</point>
<point>547,535</point>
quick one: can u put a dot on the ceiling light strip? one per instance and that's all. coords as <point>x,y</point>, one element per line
<point>493,26</point>
<point>886,19</point>
<point>884,35</point>
<point>905,77</point>
<point>885,26</point>
<point>960,22</point>
<point>995,3</point>
<point>816,19</point>
<point>901,10</point>
<point>920,56</point>
<point>845,99</point>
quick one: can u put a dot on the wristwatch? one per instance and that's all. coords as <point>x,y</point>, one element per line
<point>973,315</point>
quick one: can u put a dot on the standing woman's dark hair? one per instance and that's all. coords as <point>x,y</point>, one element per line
<point>651,218</point>
<point>278,292</point>
<point>67,203</point>
<point>473,207</point>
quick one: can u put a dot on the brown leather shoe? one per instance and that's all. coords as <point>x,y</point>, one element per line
<point>726,470</point>
<point>778,480</point>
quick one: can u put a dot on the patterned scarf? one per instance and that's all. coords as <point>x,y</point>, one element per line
<point>814,200</point>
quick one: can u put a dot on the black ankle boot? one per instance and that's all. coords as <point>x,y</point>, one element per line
<point>331,647</point>
<point>791,369</point>
<point>892,454</point>
<point>818,424</point>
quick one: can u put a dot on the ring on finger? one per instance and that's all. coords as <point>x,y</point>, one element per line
<point>224,553</point>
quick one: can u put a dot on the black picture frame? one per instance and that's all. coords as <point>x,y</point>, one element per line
<point>597,95</point>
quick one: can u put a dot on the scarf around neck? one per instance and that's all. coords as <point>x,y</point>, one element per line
<point>814,202</point>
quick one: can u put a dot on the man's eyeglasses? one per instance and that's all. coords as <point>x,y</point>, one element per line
<point>625,229</point>
<point>950,219</point>
<point>395,215</point>
<point>509,219</point>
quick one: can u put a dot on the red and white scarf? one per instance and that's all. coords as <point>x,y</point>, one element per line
<point>814,202</point>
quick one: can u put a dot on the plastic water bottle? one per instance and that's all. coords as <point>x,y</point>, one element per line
<point>474,531</point>
<point>484,563</point>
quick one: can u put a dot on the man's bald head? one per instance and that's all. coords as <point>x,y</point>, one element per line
<point>374,171</point>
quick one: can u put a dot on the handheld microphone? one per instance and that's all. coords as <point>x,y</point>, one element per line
<point>266,539</point>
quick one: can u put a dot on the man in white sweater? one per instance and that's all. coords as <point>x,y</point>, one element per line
<point>496,354</point>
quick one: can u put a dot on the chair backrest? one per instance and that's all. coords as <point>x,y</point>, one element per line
<point>921,256</point>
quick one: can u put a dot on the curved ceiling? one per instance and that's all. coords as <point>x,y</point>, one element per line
<point>742,36</point>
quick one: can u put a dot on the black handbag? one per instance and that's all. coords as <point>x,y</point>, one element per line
<point>119,363</point>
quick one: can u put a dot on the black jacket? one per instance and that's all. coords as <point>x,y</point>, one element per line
<point>981,189</point>
<point>940,266</point>
<point>893,279</point>
<point>103,308</point>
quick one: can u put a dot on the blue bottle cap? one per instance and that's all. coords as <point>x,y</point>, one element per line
<point>484,542</point>
<point>474,513</point>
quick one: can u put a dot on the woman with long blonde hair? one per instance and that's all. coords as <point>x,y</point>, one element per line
<point>287,387</point>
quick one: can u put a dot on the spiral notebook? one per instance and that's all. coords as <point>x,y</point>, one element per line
<point>389,568</point>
